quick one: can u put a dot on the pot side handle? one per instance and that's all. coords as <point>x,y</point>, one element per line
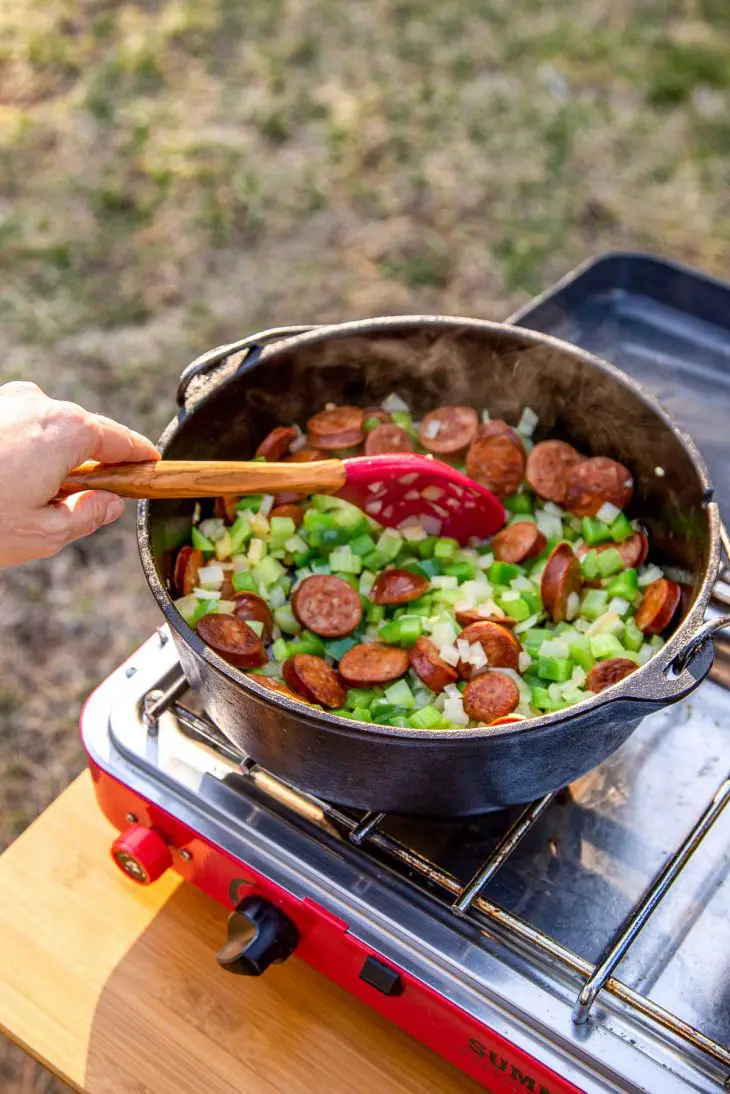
<point>251,345</point>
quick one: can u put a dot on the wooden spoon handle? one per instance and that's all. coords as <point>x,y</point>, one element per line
<point>205,478</point>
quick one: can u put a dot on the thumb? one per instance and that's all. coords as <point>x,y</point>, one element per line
<point>81,514</point>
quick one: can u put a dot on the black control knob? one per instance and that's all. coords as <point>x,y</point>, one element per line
<point>258,935</point>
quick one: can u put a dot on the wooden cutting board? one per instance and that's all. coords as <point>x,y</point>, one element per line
<point>116,989</point>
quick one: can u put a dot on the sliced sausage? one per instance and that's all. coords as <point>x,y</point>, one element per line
<point>561,577</point>
<point>398,587</point>
<point>302,455</point>
<point>251,606</point>
<point>497,459</point>
<point>490,696</point>
<point>548,466</point>
<point>518,542</point>
<point>508,720</point>
<point>372,663</point>
<point>273,684</point>
<point>276,444</point>
<point>605,673</point>
<point>430,667</point>
<point>591,483</point>
<point>294,512</point>
<point>327,605</point>
<point>225,508</point>
<point>387,437</point>
<point>233,640</point>
<point>465,616</point>
<point>658,605</point>
<point>501,648</point>
<point>340,427</point>
<point>376,412</point>
<point>457,428</point>
<point>187,569</point>
<point>314,679</point>
<point>633,550</point>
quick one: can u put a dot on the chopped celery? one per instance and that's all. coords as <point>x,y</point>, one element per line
<point>626,585</point>
<point>518,503</point>
<point>594,531</point>
<point>280,649</point>
<point>541,699</point>
<point>594,603</point>
<point>244,582</point>
<point>555,668</point>
<point>610,562</point>
<point>345,561</point>
<point>389,544</point>
<point>281,529</point>
<point>404,420</point>
<point>580,653</point>
<point>361,714</point>
<point>362,545</point>
<point>268,571</point>
<point>415,568</point>
<point>339,647</point>
<point>589,566</point>
<point>445,548</point>
<point>462,571</point>
<point>534,638</point>
<point>224,546</point>
<point>426,546</point>
<point>241,532</point>
<point>284,619</point>
<point>376,613</point>
<point>251,502</point>
<point>425,718</point>
<point>501,573</point>
<point>370,423</point>
<point>400,694</point>
<point>633,637</point>
<point>360,697</point>
<point>256,626</point>
<point>605,645</point>
<point>621,528</point>
<point>201,542</point>
<point>518,609</point>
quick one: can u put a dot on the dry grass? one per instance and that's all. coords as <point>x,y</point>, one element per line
<point>176,174</point>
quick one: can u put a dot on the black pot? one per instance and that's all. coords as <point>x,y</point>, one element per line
<point>233,396</point>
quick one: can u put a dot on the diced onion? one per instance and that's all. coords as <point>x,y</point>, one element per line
<point>299,442</point>
<point>196,512</point>
<point>388,512</point>
<point>432,493</point>
<point>477,656</point>
<point>555,647</point>
<point>267,504</point>
<point>522,584</point>
<point>213,528</point>
<point>649,574</point>
<point>572,606</point>
<point>485,417</point>
<point>608,512</point>
<point>394,402</point>
<point>449,654</point>
<point>453,503</point>
<point>645,653</point>
<point>526,624</point>
<point>619,605</point>
<point>444,581</point>
<point>207,594</point>
<point>551,507</point>
<point>413,532</point>
<point>463,647</point>
<point>550,525</point>
<point>524,661</point>
<point>226,607</point>
<point>675,573</point>
<point>432,429</point>
<point>608,623</point>
<point>210,577</point>
<point>276,597</point>
<point>528,421</point>
<point>454,712</point>
<point>367,580</point>
<point>659,472</point>
<point>511,594</point>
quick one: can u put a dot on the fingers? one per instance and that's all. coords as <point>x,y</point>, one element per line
<point>76,516</point>
<point>111,442</point>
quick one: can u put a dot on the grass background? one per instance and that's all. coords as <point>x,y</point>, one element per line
<point>174,175</point>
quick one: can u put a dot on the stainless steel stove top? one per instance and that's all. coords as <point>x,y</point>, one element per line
<point>519,918</point>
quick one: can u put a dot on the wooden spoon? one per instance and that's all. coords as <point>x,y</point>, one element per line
<point>390,488</point>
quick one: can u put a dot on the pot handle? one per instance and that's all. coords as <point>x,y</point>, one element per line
<point>208,361</point>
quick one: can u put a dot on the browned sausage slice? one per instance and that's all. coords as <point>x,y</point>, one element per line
<point>225,508</point>
<point>609,672</point>
<point>547,469</point>
<point>561,577</point>
<point>387,437</point>
<point>591,483</point>
<point>489,696</point>
<point>465,616</point>
<point>430,667</point>
<point>313,678</point>
<point>376,412</point>
<point>457,428</point>
<point>497,459</point>
<point>340,427</point>
<point>398,587</point>
<point>501,648</point>
<point>658,605</point>
<point>276,445</point>
<point>187,568</point>
<point>302,455</point>
<point>251,606</point>
<point>327,605</point>
<point>294,512</point>
<point>518,542</point>
<point>233,640</point>
<point>371,663</point>
<point>633,550</point>
<point>508,720</point>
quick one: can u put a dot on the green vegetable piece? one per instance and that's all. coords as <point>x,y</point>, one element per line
<point>532,599</point>
<point>400,694</point>
<point>345,561</point>
<point>390,633</point>
<point>280,649</point>
<point>389,545</point>
<point>570,534</point>
<point>251,502</point>
<point>284,619</point>
<point>559,669</point>
<point>501,573</point>
<point>268,571</point>
<point>589,566</point>
<point>370,423</point>
<point>594,531</point>
<point>580,653</point>
<point>339,647</point>
<point>534,638</point>
<point>431,567</point>
<point>621,528</point>
<point>375,613</point>
<point>519,609</point>
<point>425,718</point>
<point>594,603</point>
<point>201,542</point>
<point>362,545</point>
<point>241,532</point>
<point>541,699</point>
<point>415,568</point>
<point>445,548</point>
<point>518,503</point>
<point>462,571</point>
<point>411,629</point>
<point>605,645</point>
<point>404,420</point>
<point>625,585</point>
<point>244,582</point>
<point>256,626</point>
<point>610,562</point>
<point>426,546</point>
<point>633,637</point>
<point>360,697</point>
<point>361,714</point>
<point>281,529</point>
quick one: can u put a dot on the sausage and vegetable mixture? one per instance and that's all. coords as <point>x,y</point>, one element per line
<point>405,627</point>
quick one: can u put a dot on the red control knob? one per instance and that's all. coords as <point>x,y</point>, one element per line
<point>141,853</point>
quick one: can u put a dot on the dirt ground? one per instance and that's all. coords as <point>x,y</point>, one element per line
<point>174,175</point>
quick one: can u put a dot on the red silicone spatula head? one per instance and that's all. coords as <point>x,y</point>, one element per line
<point>394,488</point>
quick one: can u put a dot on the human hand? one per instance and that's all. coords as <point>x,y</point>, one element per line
<point>41,439</point>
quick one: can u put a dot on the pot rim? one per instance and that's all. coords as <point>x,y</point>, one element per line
<point>659,665</point>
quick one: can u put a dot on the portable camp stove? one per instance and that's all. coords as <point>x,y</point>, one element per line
<point>577,944</point>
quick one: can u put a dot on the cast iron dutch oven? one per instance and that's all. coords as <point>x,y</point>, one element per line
<point>229,400</point>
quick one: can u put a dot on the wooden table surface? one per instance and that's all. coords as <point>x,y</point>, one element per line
<point>116,988</point>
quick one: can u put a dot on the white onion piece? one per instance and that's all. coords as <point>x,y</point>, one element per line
<point>388,512</point>
<point>413,532</point>
<point>674,573</point>
<point>619,605</point>
<point>463,647</point>
<point>485,417</point>
<point>552,508</point>
<point>524,661</point>
<point>511,594</point>
<point>555,647</point>
<point>226,607</point>
<point>207,594</point>
<point>440,510</point>
<point>210,577</point>
<point>645,653</point>
<point>452,692</point>
<point>433,429</point>
<point>648,574</point>
<point>454,712</point>
<point>477,657</point>
<point>299,442</point>
<point>276,597</point>
<point>608,623</point>
<point>267,504</point>
<point>608,512</point>
<point>572,606</point>
<point>394,402</point>
<point>449,654</point>
<point>213,528</point>
<point>367,580</point>
<point>528,421</point>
